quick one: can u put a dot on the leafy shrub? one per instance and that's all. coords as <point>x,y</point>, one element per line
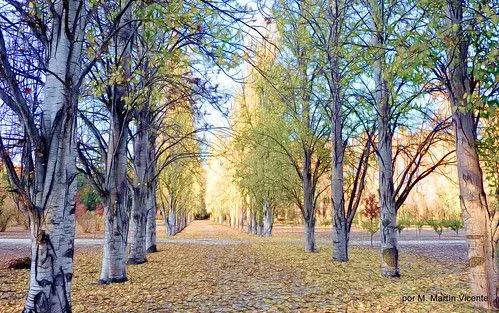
<point>454,224</point>
<point>372,226</point>
<point>437,225</point>
<point>400,227</point>
<point>201,216</point>
<point>402,224</point>
<point>8,211</point>
<point>325,222</point>
<point>419,225</point>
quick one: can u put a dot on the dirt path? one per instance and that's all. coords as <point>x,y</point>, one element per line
<point>15,244</point>
<point>213,268</point>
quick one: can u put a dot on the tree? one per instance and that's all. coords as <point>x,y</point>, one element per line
<point>371,212</point>
<point>110,81</point>
<point>395,51</point>
<point>300,128</point>
<point>53,41</point>
<point>465,73</point>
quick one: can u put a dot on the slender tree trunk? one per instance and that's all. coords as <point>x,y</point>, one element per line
<point>388,213</point>
<point>140,189</point>
<point>250,221</point>
<point>52,220</point>
<point>340,229</point>
<point>116,214</point>
<point>309,229</point>
<point>254,223</point>
<point>478,219</point>
<point>268,219</point>
<point>172,223</point>
<point>165,220</point>
<point>308,203</point>
<point>151,221</point>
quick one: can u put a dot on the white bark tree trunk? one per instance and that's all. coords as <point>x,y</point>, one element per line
<point>268,219</point>
<point>340,229</point>
<point>172,223</point>
<point>388,213</point>
<point>138,221</point>
<point>113,268</point>
<point>478,218</point>
<point>52,220</point>
<point>254,222</point>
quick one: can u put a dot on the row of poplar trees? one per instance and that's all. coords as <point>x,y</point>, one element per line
<point>333,84</point>
<point>88,87</point>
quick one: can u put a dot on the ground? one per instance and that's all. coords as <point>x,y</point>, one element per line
<point>212,268</point>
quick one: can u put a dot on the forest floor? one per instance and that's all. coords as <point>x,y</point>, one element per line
<point>212,268</point>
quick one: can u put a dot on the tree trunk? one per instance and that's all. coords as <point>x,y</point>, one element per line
<point>308,203</point>
<point>250,220</point>
<point>115,210</point>
<point>140,189</point>
<point>113,268</point>
<point>388,213</point>
<point>340,229</point>
<point>151,222</point>
<point>171,223</point>
<point>309,237</point>
<point>52,231</point>
<point>254,223</point>
<point>138,228</point>
<point>165,219</point>
<point>268,219</point>
<point>116,213</point>
<point>52,220</point>
<point>478,219</point>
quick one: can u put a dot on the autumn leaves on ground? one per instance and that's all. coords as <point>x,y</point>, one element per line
<point>212,268</point>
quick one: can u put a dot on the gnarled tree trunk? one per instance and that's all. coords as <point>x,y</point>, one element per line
<point>113,269</point>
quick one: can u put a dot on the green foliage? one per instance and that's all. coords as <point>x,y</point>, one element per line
<point>400,226</point>
<point>454,224</point>
<point>326,222</point>
<point>7,209</point>
<point>419,223</point>
<point>371,225</point>
<point>405,221</point>
<point>88,196</point>
<point>437,225</point>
